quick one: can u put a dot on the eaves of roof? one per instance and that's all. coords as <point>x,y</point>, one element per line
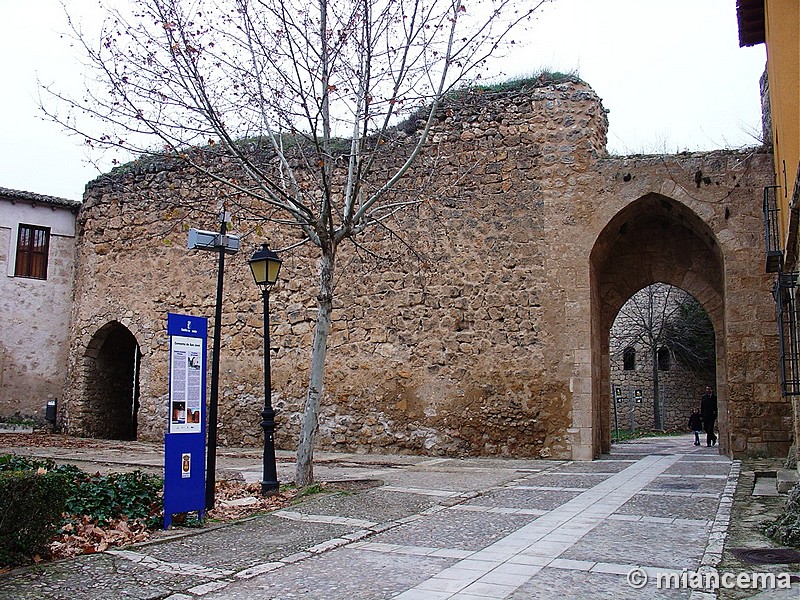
<point>20,196</point>
<point>750,15</point>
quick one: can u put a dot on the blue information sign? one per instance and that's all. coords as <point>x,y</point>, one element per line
<point>185,441</point>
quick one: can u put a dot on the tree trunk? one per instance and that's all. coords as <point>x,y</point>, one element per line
<point>304,471</point>
<point>657,424</point>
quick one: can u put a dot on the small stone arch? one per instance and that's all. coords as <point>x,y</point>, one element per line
<point>111,383</point>
<point>653,239</point>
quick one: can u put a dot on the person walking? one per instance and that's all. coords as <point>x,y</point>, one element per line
<point>708,412</point>
<point>696,425</point>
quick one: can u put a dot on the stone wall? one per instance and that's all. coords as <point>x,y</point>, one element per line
<point>679,392</point>
<point>650,312</point>
<point>477,341</point>
<point>695,221</point>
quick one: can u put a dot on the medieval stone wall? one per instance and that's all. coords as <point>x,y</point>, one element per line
<point>679,392</point>
<point>695,221</point>
<point>476,340</point>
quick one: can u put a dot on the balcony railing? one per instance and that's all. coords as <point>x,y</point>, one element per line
<point>772,232</point>
<point>784,294</point>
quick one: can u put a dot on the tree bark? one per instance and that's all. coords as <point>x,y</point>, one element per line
<point>657,424</point>
<point>304,470</point>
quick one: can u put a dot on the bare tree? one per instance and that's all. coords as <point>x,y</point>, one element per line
<point>689,336</point>
<point>267,96</point>
<point>664,318</point>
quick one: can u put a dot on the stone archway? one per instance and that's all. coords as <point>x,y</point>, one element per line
<point>111,384</point>
<point>653,239</point>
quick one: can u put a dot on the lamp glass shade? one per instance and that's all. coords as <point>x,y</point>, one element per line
<point>265,266</point>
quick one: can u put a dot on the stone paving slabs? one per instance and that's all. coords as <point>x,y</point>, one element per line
<point>454,529</point>
<point>490,464</point>
<point>555,584</point>
<point>94,577</point>
<point>627,456</point>
<point>439,529</point>
<point>595,466</point>
<point>667,545</point>
<point>686,486</point>
<point>346,575</point>
<point>567,480</point>
<point>376,505</point>
<point>524,498</point>
<point>677,507</point>
<point>270,538</point>
<point>454,481</point>
<point>687,466</point>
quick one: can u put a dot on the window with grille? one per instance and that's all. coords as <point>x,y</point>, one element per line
<point>33,245</point>
<point>784,292</point>
<point>664,359</point>
<point>629,359</point>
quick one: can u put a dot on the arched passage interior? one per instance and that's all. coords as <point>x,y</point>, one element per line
<point>653,239</point>
<point>662,357</point>
<point>111,376</point>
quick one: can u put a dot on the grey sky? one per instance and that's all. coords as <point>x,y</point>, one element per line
<point>670,71</point>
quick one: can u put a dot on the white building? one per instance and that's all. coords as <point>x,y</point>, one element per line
<point>37,253</point>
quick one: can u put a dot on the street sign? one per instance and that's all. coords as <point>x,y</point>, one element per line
<point>211,240</point>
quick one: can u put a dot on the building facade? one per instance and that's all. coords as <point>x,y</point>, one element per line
<point>37,250</point>
<point>776,23</point>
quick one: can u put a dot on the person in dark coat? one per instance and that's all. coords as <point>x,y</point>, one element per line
<point>696,425</point>
<point>708,411</point>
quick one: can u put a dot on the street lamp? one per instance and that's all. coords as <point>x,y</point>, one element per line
<point>265,266</point>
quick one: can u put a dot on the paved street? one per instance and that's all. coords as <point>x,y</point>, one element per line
<point>435,528</point>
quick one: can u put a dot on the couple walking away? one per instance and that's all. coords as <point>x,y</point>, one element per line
<point>704,418</point>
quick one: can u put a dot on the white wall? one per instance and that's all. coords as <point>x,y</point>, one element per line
<point>34,314</point>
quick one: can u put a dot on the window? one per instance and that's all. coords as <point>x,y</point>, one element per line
<point>629,359</point>
<point>663,359</point>
<point>33,244</point>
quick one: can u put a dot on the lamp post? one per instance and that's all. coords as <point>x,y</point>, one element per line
<point>265,266</point>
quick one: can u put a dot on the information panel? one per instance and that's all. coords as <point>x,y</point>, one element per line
<point>185,441</point>
<point>186,384</point>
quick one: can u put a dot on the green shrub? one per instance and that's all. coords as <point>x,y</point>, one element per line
<point>31,505</point>
<point>37,497</point>
<point>11,462</point>
<point>134,495</point>
<point>786,528</point>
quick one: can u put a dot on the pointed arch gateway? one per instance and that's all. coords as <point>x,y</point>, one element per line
<point>653,239</point>
<point>111,384</point>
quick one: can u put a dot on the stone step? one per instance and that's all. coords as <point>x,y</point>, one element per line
<point>786,480</point>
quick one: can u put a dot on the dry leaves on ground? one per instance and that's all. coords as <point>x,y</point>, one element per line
<point>86,537</point>
<point>234,500</point>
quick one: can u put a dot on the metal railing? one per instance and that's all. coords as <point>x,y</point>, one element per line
<point>786,301</point>
<point>772,232</point>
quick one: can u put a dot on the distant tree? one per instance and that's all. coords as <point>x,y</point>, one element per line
<point>659,318</point>
<point>690,337</point>
<point>291,105</point>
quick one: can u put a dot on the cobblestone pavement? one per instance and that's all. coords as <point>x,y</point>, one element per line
<point>437,528</point>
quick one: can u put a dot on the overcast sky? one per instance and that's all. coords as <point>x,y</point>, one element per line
<point>670,71</point>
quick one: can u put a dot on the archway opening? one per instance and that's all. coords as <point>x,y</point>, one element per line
<point>111,368</point>
<point>662,356</point>
<point>654,239</point>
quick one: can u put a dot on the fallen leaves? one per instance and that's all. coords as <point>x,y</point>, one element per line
<point>83,536</point>
<point>234,500</point>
